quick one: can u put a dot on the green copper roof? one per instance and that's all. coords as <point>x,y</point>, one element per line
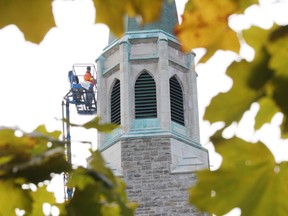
<point>169,18</point>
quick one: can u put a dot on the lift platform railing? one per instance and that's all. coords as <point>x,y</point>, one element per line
<point>82,92</point>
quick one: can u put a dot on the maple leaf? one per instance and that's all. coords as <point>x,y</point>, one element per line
<point>112,13</point>
<point>264,80</point>
<point>205,24</point>
<point>248,179</point>
<point>33,18</point>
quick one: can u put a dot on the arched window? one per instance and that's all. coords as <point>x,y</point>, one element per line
<point>176,101</point>
<point>115,103</point>
<point>145,97</point>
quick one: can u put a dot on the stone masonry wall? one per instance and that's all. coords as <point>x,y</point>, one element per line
<point>146,171</point>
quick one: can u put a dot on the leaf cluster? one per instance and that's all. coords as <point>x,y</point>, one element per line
<point>248,178</point>
<point>35,18</point>
<point>28,161</point>
<point>97,191</point>
<point>205,24</point>
<point>263,81</point>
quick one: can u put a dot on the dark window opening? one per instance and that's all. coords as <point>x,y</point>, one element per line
<point>115,104</point>
<point>176,101</point>
<point>145,97</point>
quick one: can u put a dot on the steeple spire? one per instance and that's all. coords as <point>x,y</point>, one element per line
<point>166,23</point>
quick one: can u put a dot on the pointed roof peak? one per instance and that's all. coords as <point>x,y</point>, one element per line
<point>166,23</point>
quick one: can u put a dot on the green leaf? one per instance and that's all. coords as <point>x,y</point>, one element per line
<point>284,128</point>
<point>251,81</point>
<point>41,129</point>
<point>80,179</point>
<point>41,196</point>
<point>98,164</point>
<point>93,199</point>
<point>97,190</point>
<point>248,178</point>
<point>86,202</point>
<point>5,159</point>
<point>28,156</point>
<point>278,49</point>
<point>42,137</point>
<point>279,96</point>
<point>95,123</point>
<point>267,110</point>
<point>230,106</point>
<point>12,196</point>
<point>257,38</point>
<point>33,18</point>
<point>39,168</point>
<point>8,138</point>
<point>266,75</point>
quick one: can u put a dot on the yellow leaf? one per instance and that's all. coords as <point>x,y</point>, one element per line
<point>149,10</point>
<point>110,209</point>
<point>112,13</point>
<point>33,18</point>
<point>205,24</point>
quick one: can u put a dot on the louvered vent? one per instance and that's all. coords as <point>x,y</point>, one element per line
<point>145,97</point>
<point>176,101</point>
<point>115,104</point>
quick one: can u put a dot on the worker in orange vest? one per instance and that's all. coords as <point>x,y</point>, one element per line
<point>88,77</point>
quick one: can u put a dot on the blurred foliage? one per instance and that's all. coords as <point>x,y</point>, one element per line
<point>97,191</point>
<point>29,160</point>
<point>248,177</point>
<point>264,80</point>
<point>111,12</point>
<point>205,24</point>
<point>33,18</point>
<point>95,123</point>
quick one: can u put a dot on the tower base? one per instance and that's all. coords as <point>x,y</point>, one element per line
<point>158,171</point>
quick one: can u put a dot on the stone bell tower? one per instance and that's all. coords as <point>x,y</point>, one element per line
<point>148,87</point>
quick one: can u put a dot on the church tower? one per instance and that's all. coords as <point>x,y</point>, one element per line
<point>148,87</point>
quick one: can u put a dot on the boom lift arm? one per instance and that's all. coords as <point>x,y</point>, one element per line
<point>82,95</point>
